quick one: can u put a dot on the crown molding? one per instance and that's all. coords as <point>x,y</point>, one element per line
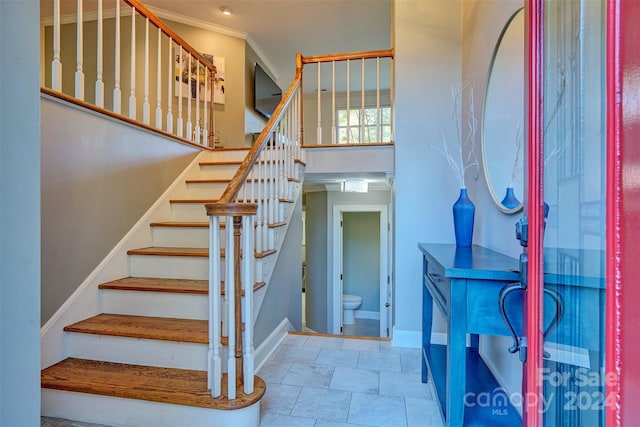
<point>160,13</point>
<point>199,23</point>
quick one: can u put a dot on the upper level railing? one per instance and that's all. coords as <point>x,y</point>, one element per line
<point>162,81</point>
<point>348,98</point>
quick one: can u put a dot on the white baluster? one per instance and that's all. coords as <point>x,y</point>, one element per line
<point>248,266</point>
<point>117,94</point>
<point>319,131</point>
<point>99,60</point>
<point>333,102</point>
<point>189,135</point>
<point>259,217</point>
<point>197,133</point>
<point>348,101</point>
<point>180,69</point>
<point>171,78</point>
<point>146,107</point>
<point>362,117</point>
<point>132,93</point>
<point>79,93</point>
<point>205,124</point>
<point>159,82</point>
<point>378,115</point>
<point>56,65</point>
<point>230,297</point>
<point>214,361</point>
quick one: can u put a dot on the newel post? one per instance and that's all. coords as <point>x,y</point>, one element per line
<point>299,64</point>
<point>239,278</point>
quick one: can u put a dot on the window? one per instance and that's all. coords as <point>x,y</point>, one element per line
<point>356,121</point>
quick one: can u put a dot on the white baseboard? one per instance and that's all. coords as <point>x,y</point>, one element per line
<point>269,345</point>
<point>411,339</point>
<point>364,314</point>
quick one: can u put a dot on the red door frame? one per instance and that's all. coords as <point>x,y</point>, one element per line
<point>532,383</point>
<point>622,214</point>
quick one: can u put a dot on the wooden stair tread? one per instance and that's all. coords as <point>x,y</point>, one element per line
<point>170,251</point>
<point>211,201</point>
<point>184,224</point>
<point>156,328</point>
<point>221,163</point>
<point>165,385</point>
<point>152,284</point>
<point>193,252</point>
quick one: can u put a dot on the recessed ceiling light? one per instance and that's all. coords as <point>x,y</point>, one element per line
<point>226,10</point>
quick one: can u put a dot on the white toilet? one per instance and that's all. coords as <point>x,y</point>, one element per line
<point>350,303</point>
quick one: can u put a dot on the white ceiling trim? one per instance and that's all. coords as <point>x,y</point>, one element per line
<point>72,18</point>
<point>199,23</point>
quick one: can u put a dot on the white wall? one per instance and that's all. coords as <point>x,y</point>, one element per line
<point>427,42</point>
<point>19,214</point>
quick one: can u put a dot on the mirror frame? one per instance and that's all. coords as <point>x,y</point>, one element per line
<point>487,178</point>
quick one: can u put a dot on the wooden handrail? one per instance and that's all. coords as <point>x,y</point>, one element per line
<point>243,171</point>
<point>387,53</point>
<point>169,32</point>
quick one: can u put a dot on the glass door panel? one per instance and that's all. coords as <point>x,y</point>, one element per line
<point>574,136</point>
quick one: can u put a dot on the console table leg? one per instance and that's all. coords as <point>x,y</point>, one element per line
<point>457,353</point>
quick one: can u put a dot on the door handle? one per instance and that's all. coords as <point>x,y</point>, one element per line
<point>387,305</point>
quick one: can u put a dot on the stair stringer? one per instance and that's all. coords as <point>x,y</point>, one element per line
<point>85,300</point>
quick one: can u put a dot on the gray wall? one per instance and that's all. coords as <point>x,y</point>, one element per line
<point>426,38</point>
<point>317,221</point>
<point>361,257</point>
<point>98,178</point>
<point>285,288</point>
<point>19,214</point>
<point>253,122</point>
<point>482,23</point>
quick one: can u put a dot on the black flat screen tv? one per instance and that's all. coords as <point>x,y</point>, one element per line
<point>266,93</point>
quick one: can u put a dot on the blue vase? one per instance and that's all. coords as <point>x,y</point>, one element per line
<point>463,214</point>
<point>510,201</point>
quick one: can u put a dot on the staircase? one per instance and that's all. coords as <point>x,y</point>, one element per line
<point>139,358</point>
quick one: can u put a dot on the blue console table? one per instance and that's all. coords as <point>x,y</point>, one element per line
<point>464,284</point>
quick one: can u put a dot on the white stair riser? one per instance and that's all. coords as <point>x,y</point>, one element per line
<point>155,304</point>
<point>114,411</point>
<point>188,212</point>
<point>218,171</point>
<point>170,267</point>
<point>206,190</point>
<point>137,351</point>
<point>184,237</point>
<point>225,156</point>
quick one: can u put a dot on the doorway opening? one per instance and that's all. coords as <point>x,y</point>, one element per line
<point>360,270</point>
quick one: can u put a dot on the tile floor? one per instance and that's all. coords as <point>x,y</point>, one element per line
<point>363,328</point>
<point>315,381</point>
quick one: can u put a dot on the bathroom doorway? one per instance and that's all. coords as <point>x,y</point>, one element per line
<point>360,267</point>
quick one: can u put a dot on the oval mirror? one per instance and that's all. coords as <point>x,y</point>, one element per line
<point>503,118</point>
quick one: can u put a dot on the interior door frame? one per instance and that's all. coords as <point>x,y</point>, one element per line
<point>385,282</point>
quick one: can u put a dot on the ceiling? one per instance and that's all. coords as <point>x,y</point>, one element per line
<point>277,29</point>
